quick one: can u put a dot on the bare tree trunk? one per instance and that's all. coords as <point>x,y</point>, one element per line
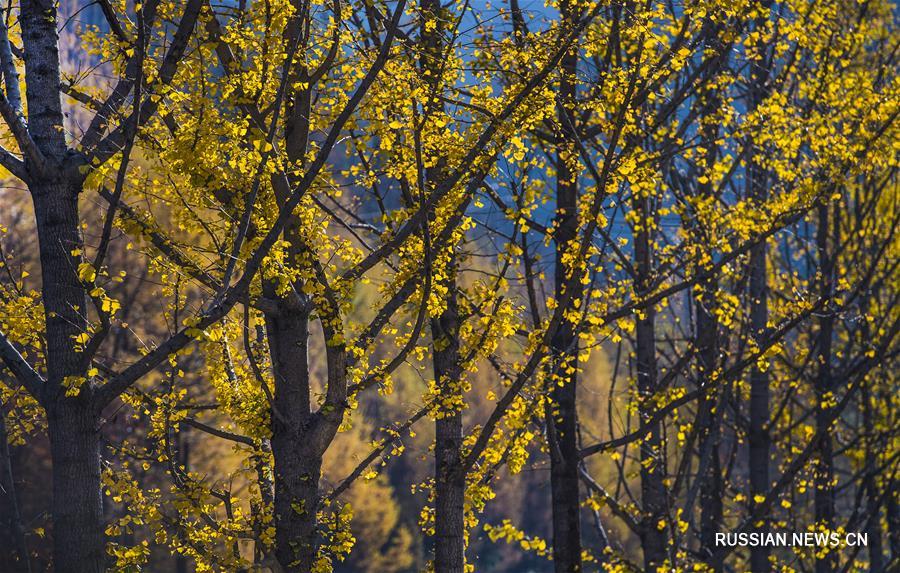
<point>873,501</point>
<point>38,19</point>
<point>297,466</point>
<point>297,462</point>
<point>77,506</point>
<point>760,442</point>
<point>759,439</point>
<point>450,483</point>
<point>872,447</point>
<point>78,538</point>
<point>184,458</point>
<point>653,471</point>
<point>710,483</point>
<point>79,541</point>
<point>711,486</point>
<point>892,509</point>
<point>824,470</point>
<point>562,415</point>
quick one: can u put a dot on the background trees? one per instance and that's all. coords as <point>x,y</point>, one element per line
<point>637,261</point>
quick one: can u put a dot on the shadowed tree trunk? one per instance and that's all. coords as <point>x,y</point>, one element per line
<point>78,539</point>
<point>653,471</point>
<point>77,505</point>
<point>873,500</point>
<point>711,485</point>
<point>892,508</point>
<point>55,178</point>
<point>759,439</point>
<point>297,457</point>
<point>297,469</point>
<point>709,467</point>
<point>450,481</point>
<point>562,416</point>
<point>824,468</point>
<point>760,442</point>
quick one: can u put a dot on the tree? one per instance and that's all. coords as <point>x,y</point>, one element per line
<point>55,176</point>
<point>281,234</point>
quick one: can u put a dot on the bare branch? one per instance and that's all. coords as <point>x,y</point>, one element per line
<point>8,66</point>
<point>21,369</point>
<point>13,164</point>
<point>16,124</point>
<point>224,434</point>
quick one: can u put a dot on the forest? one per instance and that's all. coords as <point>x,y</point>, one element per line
<point>449,286</point>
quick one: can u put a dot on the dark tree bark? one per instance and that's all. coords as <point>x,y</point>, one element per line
<point>759,438</point>
<point>711,484</point>
<point>300,436</point>
<point>297,467</point>
<point>710,481</point>
<point>297,458</point>
<point>40,43</point>
<point>653,470</point>
<point>824,468</point>
<point>892,509</point>
<point>79,542</point>
<point>450,482</point>
<point>77,506</point>
<point>54,178</point>
<point>873,498</point>
<point>562,416</point>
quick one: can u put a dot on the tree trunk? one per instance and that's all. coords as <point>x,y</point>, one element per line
<point>873,498</point>
<point>653,471</point>
<point>449,480</point>
<point>759,439</point>
<point>40,39</point>
<point>824,471</point>
<point>711,486</point>
<point>450,483</point>
<point>77,507</point>
<point>65,304</point>
<point>759,400</point>
<point>297,474</point>
<point>562,415</point>
<point>564,486</point>
<point>78,537</point>
<point>78,533</point>
<point>298,466</point>
<point>873,527</point>
<point>449,527</point>
<point>709,479</point>
<point>892,509</point>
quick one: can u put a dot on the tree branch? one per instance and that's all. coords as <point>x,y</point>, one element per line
<point>20,368</point>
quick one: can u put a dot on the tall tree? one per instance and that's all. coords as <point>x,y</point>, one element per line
<point>561,409</point>
<point>55,175</point>
<point>449,479</point>
<point>824,468</point>
<point>758,307</point>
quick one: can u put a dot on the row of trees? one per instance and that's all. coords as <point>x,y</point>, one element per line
<point>310,229</point>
